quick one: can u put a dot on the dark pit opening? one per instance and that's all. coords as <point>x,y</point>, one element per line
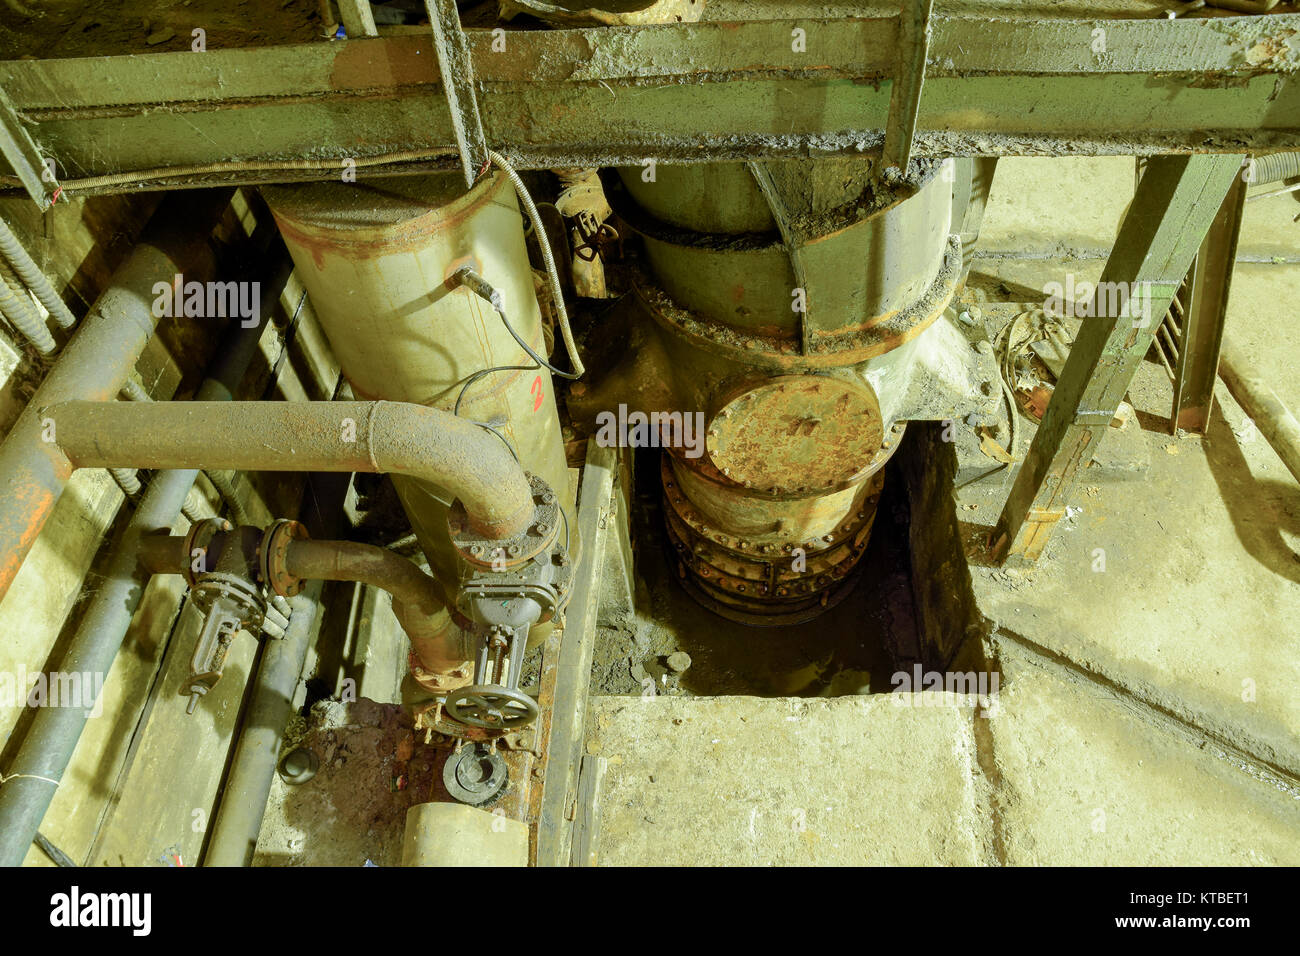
<point>852,648</point>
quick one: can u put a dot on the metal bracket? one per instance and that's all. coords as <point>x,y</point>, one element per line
<point>457,73</point>
<point>905,96</point>
<point>20,149</point>
<point>792,241</point>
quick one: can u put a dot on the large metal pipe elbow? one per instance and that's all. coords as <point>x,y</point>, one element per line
<point>461,458</point>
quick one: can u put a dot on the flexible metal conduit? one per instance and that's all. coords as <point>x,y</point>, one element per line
<point>96,363</point>
<point>426,443</point>
<point>28,271</point>
<point>1273,167</point>
<point>33,776</point>
<point>18,312</point>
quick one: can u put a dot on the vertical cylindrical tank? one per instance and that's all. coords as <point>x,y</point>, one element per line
<point>377,259</point>
<point>777,292</point>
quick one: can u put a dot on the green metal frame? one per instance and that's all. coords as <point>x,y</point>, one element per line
<point>686,92</point>
<point>1176,201</point>
<point>1205,312</point>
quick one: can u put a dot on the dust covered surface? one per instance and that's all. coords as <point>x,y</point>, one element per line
<point>373,767</point>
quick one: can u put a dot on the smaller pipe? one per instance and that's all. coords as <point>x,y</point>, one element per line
<point>133,391</point>
<point>1294,187</point>
<point>224,482</point>
<point>238,819</point>
<point>27,270</point>
<point>38,765</point>
<point>52,851</point>
<point>437,641</point>
<point>365,564</point>
<point>41,759</point>
<point>1271,416</point>
<point>127,479</point>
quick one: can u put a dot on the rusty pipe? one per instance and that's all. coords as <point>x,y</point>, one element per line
<point>437,641</point>
<point>95,364</point>
<point>45,751</point>
<point>365,564</point>
<point>454,454</point>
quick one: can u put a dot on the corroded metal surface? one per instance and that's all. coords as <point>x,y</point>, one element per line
<point>787,572</point>
<point>93,366</point>
<point>826,350</point>
<point>688,92</point>
<point>796,433</point>
<point>398,438</point>
<point>836,268</point>
<point>377,260</point>
<point>537,536</point>
<point>864,253</point>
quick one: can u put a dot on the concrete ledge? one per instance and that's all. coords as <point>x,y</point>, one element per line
<point>786,781</point>
<point>1083,778</point>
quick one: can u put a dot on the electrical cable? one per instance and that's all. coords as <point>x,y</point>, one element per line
<point>562,314</point>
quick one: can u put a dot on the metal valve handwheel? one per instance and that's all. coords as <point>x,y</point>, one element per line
<point>491,706</point>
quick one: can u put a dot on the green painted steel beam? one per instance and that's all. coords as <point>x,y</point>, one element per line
<point>24,157</point>
<point>1176,200</point>
<point>689,92</point>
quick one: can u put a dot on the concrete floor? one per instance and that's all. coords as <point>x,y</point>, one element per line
<point>1147,713</point>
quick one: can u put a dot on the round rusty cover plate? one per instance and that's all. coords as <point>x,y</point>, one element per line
<point>796,433</point>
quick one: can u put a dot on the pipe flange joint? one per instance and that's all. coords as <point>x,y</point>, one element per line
<point>213,585</point>
<point>504,554</point>
<point>198,538</point>
<point>273,555</point>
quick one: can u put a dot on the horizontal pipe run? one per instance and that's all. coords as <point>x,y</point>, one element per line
<point>52,737</point>
<point>454,454</point>
<point>95,364</point>
<point>312,560</point>
<point>439,643</point>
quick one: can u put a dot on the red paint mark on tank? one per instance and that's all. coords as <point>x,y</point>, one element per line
<point>536,391</point>
<point>738,293</point>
